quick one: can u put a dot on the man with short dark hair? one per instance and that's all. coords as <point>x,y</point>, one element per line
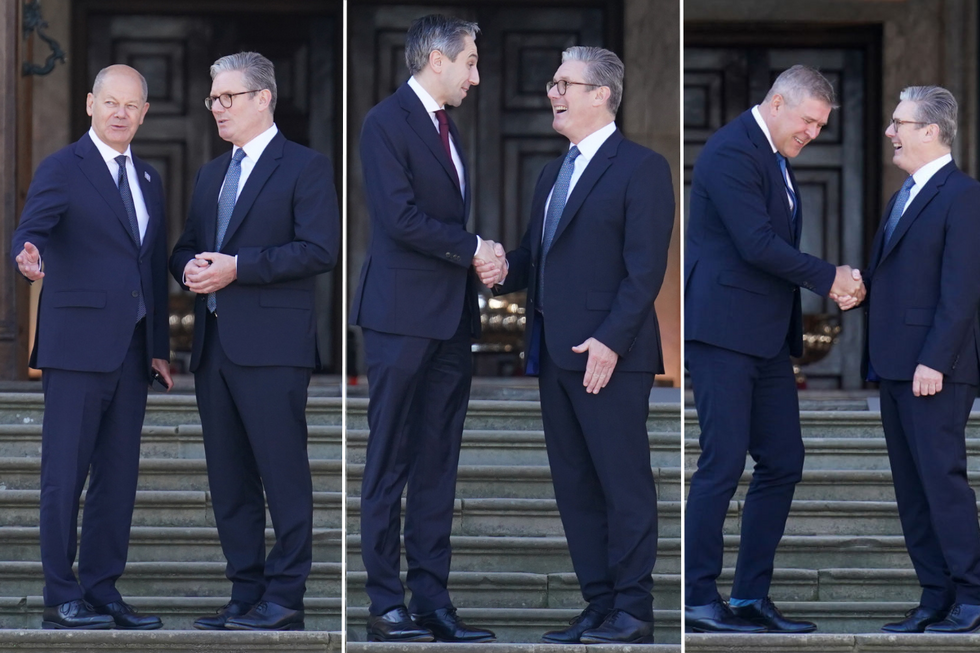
<point>95,215</point>
<point>417,305</point>
<point>923,337</point>
<point>263,223</point>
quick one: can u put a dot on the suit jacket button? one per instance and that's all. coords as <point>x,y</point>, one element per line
<point>136,293</point>
<point>449,255</point>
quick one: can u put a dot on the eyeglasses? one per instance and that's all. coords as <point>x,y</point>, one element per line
<point>225,99</point>
<point>896,123</point>
<point>563,85</point>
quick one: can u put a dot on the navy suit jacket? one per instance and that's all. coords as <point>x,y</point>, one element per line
<point>742,266</point>
<point>607,259</point>
<point>285,229</point>
<point>94,268</point>
<point>417,273</point>
<point>924,286</point>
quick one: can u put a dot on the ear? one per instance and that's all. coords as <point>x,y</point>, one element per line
<point>89,103</point>
<point>146,107</point>
<point>777,102</point>
<point>436,60</point>
<point>265,98</point>
<point>601,96</point>
<point>931,133</point>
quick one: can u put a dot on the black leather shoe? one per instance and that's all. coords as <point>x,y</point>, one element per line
<point>916,620</point>
<point>74,615</point>
<point>396,625</point>
<point>764,613</point>
<point>445,626</point>
<point>228,611</point>
<point>267,615</point>
<point>717,617</point>
<point>620,628</point>
<point>962,618</point>
<point>127,618</point>
<point>589,619</point>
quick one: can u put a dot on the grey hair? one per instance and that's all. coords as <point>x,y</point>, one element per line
<point>934,105</point>
<point>258,73</point>
<point>436,32</point>
<point>603,68</point>
<point>800,82</point>
<point>100,79</point>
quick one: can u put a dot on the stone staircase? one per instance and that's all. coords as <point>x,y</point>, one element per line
<point>511,569</point>
<point>842,562</point>
<point>175,567</point>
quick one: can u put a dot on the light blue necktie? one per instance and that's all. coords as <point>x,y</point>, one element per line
<point>226,206</point>
<point>789,189</point>
<point>898,208</point>
<point>559,195</point>
<point>127,199</point>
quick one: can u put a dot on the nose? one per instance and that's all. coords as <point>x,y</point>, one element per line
<point>120,111</point>
<point>813,131</point>
<point>553,93</point>
<point>474,76</point>
<point>890,130</point>
<point>217,107</point>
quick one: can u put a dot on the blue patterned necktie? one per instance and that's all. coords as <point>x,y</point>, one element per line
<point>559,195</point>
<point>789,189</point>
<point>126,193</point>
<point>226,206</point>
<point>898,208</point>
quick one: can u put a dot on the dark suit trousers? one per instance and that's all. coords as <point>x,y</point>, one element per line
<point>91,420</point>
<point>745,404</point>
<point>599,453</point>
<point>938,508</point>
<point>419,390</point>
<point>254,421</point>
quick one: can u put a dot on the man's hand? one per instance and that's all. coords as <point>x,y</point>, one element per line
<point>203,277</point>
<point>163,367</point>
<point>29,262</point>
<point>926,381</point>
<point>490,263</point>
<point>848,289</point>
<point>599,369</point>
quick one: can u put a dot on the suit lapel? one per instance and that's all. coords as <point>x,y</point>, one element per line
<point>879,238</point>
<point>782,224</point>
<point>156,219</point>
<point>548,177</point>
<point>94,167</point>
<point>211,201</point>
<point>264,167</point>
<point>421,123</point>
<point>914,210</point>
<point>592,173</point>
<point>457,141</point>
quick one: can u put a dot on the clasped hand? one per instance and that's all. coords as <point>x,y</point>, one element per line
<point>848,289</point>
<point>490,263</point>
<point>209,272</point>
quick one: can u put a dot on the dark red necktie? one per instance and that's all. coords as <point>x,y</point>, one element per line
<point>444,136</point>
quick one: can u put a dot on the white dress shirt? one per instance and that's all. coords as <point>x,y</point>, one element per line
<point>587,149</point>
<point>253,150</point>
<point>109,156</point>
<point>924,174</point>
<point>757,114</point>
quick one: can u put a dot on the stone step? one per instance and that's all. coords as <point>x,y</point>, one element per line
<point>831,643</point>
<point>524,626</point>
<point>482,414</point>
<point>514,517</point>
<point>165,543</point>
<point>520,447</point>
<point>439,647</point>
<point>840,453</point>
<point>177,613</point>
<point>159,474</point>
<point>519,590</point>
<point>832,551</point>
<point>165,441</point>
<point>537,555</point>
<point>20,508</point>
<point>515,482</point>
<point>159,579</point>
<point>168,641</point>
<point>837,584</point>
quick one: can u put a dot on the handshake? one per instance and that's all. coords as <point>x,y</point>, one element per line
<point>490,263</point>
<point>848,289</point>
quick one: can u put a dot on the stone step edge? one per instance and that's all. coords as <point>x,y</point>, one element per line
<point>35,603</point>
<point>111,641</point>
<point>836,643</point>
<point>440,647</point>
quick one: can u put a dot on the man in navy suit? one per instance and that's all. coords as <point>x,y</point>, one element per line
<point>743,321</point>
<point>922,347</point>
<point>593,260</point>
<point>94,215</point>
<point>417,305</point>
<point>263,223</point>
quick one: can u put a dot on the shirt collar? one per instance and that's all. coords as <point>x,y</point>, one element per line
<point>427,101</point>
<point>757,114</point>
<point>589,145</point>
<point>107,152</point>
<point>925,173</point>
<point>255,147</point>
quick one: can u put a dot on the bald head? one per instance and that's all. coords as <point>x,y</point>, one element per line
<point>117,105</point>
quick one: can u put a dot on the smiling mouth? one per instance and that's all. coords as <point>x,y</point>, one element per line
<point>560,108</point>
